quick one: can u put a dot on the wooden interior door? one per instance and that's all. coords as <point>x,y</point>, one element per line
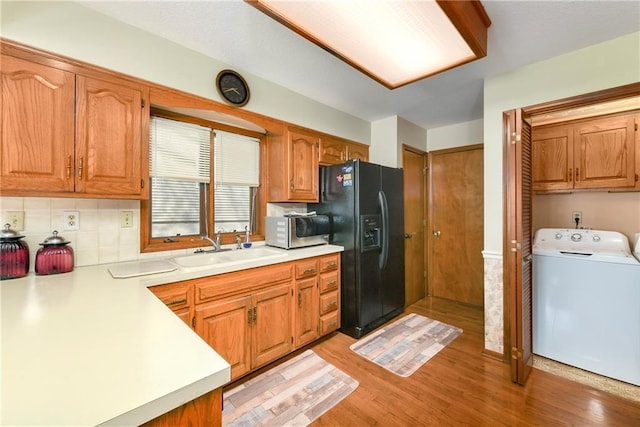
<point>518,251</point>
<point>456,238</point>
<point>414,164</point>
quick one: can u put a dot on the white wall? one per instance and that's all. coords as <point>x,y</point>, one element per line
<point>384,139</point>
<point>605,65</point>
<point>70,29</point>
<point>389,135</point>
<point>601,210</point>
<point>460,134</point>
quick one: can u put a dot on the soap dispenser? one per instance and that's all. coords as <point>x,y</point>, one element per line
<point>247,237</point>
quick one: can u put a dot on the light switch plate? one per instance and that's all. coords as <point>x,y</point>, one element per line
<point>71,220</point>
<point>126,219</point>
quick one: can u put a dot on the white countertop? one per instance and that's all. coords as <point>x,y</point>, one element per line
<point>83,348</point>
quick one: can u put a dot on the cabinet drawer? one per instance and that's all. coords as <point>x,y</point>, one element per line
<point>329,282</point>
<point>329,302</point>
<point>330,262</point>
<point>175,295</point>
<point>329,323</point>
<point>241,281</point>
<point>306,267</point>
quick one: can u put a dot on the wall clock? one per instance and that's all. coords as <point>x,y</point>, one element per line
<point>232,88</point>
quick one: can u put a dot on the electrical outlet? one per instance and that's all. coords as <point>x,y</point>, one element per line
<point>15,219</point>
<point>71,220</point>
<point>576,216</point>
<point>126,219</point>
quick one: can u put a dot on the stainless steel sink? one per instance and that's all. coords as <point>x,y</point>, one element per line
<point>222,258</point>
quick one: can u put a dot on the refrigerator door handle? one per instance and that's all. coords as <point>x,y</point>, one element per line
<point>384,235</point>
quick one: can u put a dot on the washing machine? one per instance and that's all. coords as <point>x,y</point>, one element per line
<point>586,301</point>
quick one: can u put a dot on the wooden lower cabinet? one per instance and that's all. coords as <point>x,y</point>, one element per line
<point>306,302</point>
<point>178,297</point>
<point>248,330</point>
<point>204,411</point>
<point>329,291</point>
<point>225,325</point>
<point>253,317</point>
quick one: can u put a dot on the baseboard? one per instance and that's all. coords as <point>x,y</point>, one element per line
<point>493,355</point>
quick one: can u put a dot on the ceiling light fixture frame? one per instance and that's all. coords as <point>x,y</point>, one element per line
<point>467,16</point>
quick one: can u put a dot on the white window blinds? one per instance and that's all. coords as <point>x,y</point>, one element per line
<point>237,160</point>
<point>179,150</point>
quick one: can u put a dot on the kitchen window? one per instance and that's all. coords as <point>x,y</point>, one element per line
<point>203,180</point>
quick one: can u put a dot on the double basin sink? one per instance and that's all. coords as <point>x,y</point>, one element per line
<point>225,258</point>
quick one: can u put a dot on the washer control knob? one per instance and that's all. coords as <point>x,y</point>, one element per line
<point>576,237</point>
<point>558,236</point>
<point>596,238</point>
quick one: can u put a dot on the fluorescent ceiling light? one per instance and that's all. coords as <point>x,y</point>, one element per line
<point>394,42</point>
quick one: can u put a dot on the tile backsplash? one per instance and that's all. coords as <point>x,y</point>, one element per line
<point>99,239</point>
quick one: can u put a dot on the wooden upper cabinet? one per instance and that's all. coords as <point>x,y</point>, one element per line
<point>292,166</point>
<point>605,153</point>
<point>589,154</point>
<point>37,142</point>
<point>357,151</point>
<point>64,134</point>
<point>334,151</point>
<point>552,158</point>
<point>303,164</point>
<point>108,137</point>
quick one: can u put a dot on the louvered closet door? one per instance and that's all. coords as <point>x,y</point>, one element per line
<point>519,249</point>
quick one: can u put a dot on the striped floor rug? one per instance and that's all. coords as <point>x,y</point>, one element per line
<point>294,393</point>
<point>406,344</point>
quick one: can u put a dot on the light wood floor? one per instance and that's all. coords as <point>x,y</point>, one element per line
<point>460,386</point>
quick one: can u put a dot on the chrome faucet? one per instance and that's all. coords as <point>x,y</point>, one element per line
<point>215,243</point>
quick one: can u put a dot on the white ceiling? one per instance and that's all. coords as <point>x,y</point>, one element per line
<point>522,32</point>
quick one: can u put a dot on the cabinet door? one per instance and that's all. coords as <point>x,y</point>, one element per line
<point>272,332</point>
<point>108,137</point>
<point>37,136</point>
<point>552,158</point>
<point>303,167</point>
<point>605,153</point>
<point>225,326</point>
<point>332,152</point>
<point>306,311</point>
<point>357,151</point>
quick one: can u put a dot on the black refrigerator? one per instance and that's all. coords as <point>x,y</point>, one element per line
<point>364,202</point>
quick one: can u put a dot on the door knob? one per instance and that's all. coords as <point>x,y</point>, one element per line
<point>436,233</point>
<point>408,235</point>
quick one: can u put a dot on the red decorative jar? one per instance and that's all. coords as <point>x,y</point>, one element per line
<point>14,254</point>
<point>54,256</point>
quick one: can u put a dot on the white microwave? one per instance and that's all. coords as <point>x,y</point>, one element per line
<point>297,231</point>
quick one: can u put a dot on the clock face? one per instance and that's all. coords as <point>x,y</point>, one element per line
<point>232,88</point>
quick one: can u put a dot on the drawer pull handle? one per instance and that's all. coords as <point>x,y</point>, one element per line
<point>332,282</point>
<point>332,264</point>
<point>249,315</point>
<point>176,301</point>
<point>255,315</point>
<point>332,303</point>
<point>309,270</point>
<point>333,323</point>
